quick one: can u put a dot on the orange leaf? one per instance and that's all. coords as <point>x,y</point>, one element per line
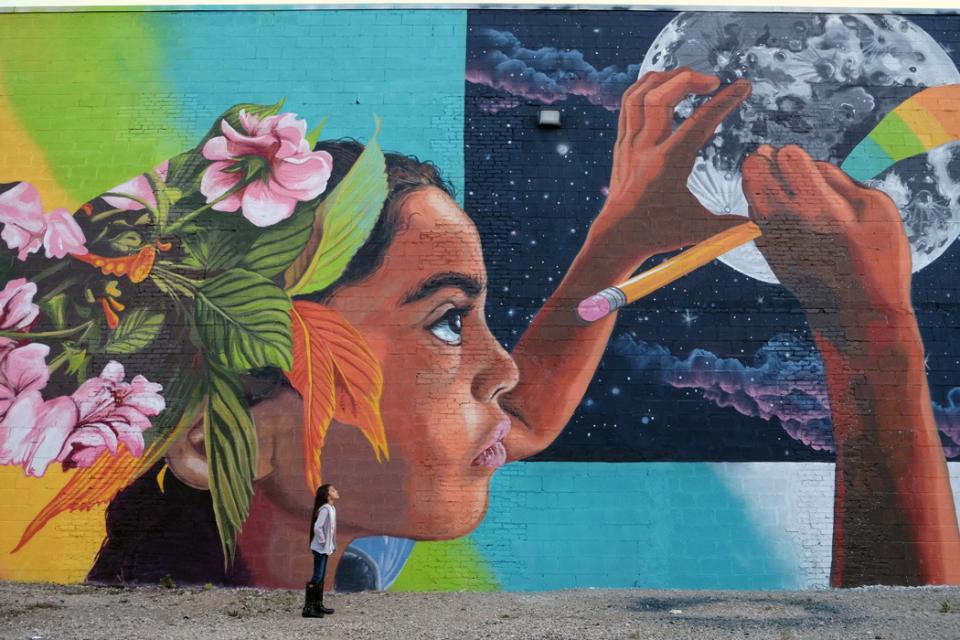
<point>86,488</point>
<point>346,381</point>
<point>102,481</point>
<point>312,377</point>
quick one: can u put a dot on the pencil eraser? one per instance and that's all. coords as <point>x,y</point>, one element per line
<point>593,308</point>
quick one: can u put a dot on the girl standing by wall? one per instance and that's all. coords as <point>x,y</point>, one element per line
<point>323,541</point>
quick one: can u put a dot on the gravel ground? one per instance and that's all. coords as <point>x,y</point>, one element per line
<point>156,613</point>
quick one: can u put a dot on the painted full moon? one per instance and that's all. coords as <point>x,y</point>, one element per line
<point>822,81</point>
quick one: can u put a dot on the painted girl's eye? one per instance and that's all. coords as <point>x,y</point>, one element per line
<point>449,327</point>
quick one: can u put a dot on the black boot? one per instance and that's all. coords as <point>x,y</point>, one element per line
<point>319,603</point>
<point>314,592</point>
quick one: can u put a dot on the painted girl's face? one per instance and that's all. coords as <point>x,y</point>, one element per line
<point>422,313</point>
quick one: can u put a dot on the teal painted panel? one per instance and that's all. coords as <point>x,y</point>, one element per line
<point>405,66</point>
<point>867,160</point>
<point>606,525</point>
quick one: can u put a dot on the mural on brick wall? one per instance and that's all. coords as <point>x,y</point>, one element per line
<point>269,305</point>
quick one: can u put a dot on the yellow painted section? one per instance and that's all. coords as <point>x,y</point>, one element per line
<point>927,128</point>
<point>943,103</point>
<point>21,159</point>
<point>64,550</point>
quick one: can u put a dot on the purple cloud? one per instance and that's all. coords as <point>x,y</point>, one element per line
<point>948,421</point>
<point>493,104</point>
<point>499,60</point>
<point>785,381</point>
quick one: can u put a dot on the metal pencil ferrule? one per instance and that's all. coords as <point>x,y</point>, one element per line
<point>614,296</point>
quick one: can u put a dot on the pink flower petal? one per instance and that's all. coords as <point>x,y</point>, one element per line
<point>216,149</point>
<point>217,181</point>
<point>15,237</point>
<point>130,417</point>
<point>249,122</point>
<point>94,399</point>
<point>144,396</point>
<point>25,369</point>
<point>83,457</point>
<point>139,187</point>
<point>94,434</point>
<point>287,127</point>
<point>17,310</point>
<point>241,145</point>
<point>21,205</point>
<point>113,372</point>
<point>288,149</point>
<point>131,435</point>
<point>264,207</point>
<point>303,177</point>
<point>63,235</point>
<point>16,426</point>
<point>50,434</point>
<point>21,214</point>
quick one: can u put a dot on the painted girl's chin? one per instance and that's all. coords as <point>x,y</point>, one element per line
<point>493,457</point>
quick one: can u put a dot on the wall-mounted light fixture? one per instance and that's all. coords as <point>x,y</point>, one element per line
<point>548,118</point>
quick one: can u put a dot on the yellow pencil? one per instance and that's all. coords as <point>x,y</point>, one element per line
<point>610,299</point>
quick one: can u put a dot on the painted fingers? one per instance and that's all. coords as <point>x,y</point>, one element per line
<point>647,108</point>
<point>788,182</point>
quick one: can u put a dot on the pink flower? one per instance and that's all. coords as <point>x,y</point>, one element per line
<point>103,413</point>
<point>274,152</point>
<point>17,310</point>
<point>138,187</point>
<point>110,412</point>
<point>63,235</point>
<point>33,432</point>
<point>22,369</point>
<point>26,228</point>
<point>21,213</point>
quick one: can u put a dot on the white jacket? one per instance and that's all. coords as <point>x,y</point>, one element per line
<point>325,530</point>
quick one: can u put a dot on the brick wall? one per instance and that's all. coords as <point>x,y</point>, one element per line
<point>702,452</point>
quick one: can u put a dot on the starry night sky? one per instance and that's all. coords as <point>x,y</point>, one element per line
<point>533,194</point>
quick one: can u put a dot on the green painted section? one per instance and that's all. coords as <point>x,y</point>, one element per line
<point>452,565</point>
<point>895,136</point>
<point>91,92</point>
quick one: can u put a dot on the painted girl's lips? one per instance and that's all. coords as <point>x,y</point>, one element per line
<point>494,455</point>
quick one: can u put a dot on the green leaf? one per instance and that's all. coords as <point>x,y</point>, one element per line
<point>137,330</point>
<point>213,249</point>
<point>278,246</point>
<point>126,242</point>
<point>243,320</point>
<point>230,438</point>
<point>184,392</point>
<point>77,361</point>
<point>314,135</point>
<point>55,308</point>
<point>348,215</point>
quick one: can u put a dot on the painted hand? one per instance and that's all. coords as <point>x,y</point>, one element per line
<point>837,245</point>
<point>649,209</point>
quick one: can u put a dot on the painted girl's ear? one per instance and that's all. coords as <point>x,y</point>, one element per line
<point>187,458</point>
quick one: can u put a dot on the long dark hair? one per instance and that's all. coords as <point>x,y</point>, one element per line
<point>320,498</point>
<point>153,533</point>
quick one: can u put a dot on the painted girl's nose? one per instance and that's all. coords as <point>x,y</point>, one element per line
<point>497,375</point>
